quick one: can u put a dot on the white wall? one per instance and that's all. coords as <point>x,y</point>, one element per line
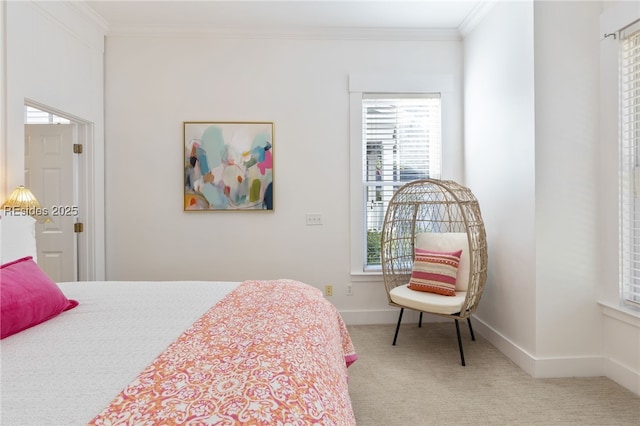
<point>3,100</point>
<point>154,83</point>
<point>567,62</point>
<point>500,164</point>
<point>54,56</point>
<point>535,68</point>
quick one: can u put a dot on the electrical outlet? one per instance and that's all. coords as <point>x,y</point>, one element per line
<point>349,290</point>
<point>314,219</point>
<point>328,290</point>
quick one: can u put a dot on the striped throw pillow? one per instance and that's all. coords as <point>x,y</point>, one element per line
<point>435,271</point>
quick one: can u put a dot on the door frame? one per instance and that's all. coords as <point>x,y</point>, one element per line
<point>86,194</point>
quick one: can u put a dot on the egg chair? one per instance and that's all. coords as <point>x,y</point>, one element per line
<point>427,223</point>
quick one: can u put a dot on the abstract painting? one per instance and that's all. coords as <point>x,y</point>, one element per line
<point>228,166</point>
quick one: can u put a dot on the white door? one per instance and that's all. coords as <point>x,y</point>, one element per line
<point>49,174</point>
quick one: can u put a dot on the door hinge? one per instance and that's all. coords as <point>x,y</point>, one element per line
<point>78,227</point>
<point>77,148</point>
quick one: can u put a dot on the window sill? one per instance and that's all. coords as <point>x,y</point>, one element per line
<point>621,313</point>
<point>374,276</point>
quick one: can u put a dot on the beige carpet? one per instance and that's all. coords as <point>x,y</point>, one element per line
<point>420,382</point>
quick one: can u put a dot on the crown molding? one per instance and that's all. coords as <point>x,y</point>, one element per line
<point>89,14</point>
<point>328,33</point>
<point>72,17</point>
<point>475,16</point>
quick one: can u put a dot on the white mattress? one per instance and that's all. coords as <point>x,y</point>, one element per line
<point>66,370</point>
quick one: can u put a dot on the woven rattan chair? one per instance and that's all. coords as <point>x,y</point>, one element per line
<point>435,215</point>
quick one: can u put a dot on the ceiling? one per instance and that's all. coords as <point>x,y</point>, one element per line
<point>293,14</point>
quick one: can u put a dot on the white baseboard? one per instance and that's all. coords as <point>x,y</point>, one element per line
<point>514,352</point>
<point>576,366</point>
<point>583,366</point>
<point>622,375</point>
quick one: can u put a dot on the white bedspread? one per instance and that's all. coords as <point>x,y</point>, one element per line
<point>65,371</point>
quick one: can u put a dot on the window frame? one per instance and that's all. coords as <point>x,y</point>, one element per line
<point>629,179</point>
<point>613,19</point>
<point>451,108</point>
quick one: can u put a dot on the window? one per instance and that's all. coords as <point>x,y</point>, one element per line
<point>401,141</point>
<point>402,126</point>
<point>630,163</point>
<point>35,116</point>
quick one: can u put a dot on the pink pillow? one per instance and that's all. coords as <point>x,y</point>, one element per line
<point>28,296</point>
<point>435,271</point>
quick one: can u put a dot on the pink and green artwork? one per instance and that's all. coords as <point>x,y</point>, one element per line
<point>228,166</point>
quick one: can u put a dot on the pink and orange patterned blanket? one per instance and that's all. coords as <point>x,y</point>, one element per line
<point>269,353</point>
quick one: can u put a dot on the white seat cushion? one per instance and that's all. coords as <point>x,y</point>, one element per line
<point>427,302</point>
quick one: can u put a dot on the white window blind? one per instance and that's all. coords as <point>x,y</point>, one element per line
<point>35,116</point>
<point>402,141</point>
<point>630,163</point>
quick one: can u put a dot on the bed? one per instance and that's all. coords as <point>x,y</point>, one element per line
<point>189,352</point>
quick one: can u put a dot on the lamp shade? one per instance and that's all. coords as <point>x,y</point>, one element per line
<point>21,198</point>
<point>23,201</point>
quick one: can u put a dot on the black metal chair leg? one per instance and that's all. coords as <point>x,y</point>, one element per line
<point>398,326</point>
<point>473,336</point>
<point>460,343</point>
<point>420,321</point>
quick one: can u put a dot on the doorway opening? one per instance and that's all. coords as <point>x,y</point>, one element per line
<point>58,158</point>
